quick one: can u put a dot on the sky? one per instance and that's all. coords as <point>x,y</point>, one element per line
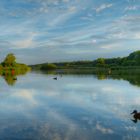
<point>39,31</point>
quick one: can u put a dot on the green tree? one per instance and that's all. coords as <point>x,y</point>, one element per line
<point>138,57</point>
<point>10,60</point>
<point>135,57</point>
<point>48,67</point>
<point>100,62</point>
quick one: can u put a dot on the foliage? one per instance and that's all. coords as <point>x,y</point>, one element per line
<point>9,66</point>
<point>100,62</point>
<point>48,67</point>
<point>9,60</point>
<point>133,60</point>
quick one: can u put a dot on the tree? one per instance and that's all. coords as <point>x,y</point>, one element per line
<point>138,57</point>
<point>100,62</point>
<point>135,57</point>
<point>10,60</point>
<point>48,67</point>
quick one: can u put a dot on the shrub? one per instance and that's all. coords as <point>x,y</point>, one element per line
<point>48,67</point>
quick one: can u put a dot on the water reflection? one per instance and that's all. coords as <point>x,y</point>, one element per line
<point>70,108</point>
<point>132,77</point>
<point>10,77</point>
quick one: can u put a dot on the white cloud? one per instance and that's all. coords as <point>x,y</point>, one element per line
<point>27,42</point>
<point>131,128</point>
<point>27,95</point>
<point>71,26</point>
<point>136,36</point>
<point>94,41</point>
<point>65,0</point>
<point>131,8</point>
<point>63,17</point>
<point>109,46</point>
<point>103,129</point>
<point>24,43</point>
<point>72,8</point>
<point>43,9</point>
<point>103,7</point>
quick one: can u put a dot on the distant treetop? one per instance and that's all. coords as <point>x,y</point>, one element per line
<point>10,59</point>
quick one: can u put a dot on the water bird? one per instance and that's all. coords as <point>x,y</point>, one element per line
<point>14,78</point>
<point>136,116</point>
<point>55,78</point>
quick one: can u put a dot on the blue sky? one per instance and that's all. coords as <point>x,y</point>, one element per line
<point>38,31</point>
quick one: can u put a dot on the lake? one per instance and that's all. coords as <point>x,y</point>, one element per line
<point>73,107</point>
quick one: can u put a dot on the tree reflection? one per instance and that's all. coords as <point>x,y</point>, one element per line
<point>131,76</point>
<point>11,76</point>
<point>133,79</point>
<point>10,79</point>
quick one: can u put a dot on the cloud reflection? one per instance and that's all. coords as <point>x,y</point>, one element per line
<point>69,108</point>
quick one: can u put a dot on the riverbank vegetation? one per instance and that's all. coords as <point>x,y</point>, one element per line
<point>131,62</point>
<point>10,67</point>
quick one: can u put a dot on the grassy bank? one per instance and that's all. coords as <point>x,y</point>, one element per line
<point>129,63</point>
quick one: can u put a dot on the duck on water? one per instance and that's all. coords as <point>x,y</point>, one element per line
<point>55,78</point>
<point>136,116</point>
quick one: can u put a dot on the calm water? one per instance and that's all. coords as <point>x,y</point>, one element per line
<point>74,107</point>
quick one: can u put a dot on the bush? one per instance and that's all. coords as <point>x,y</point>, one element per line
<point>48,67</point>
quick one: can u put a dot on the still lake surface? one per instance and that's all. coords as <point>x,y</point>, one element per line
<point>74,107</point>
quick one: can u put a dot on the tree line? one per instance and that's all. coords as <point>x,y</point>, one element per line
<point>132,60</point>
